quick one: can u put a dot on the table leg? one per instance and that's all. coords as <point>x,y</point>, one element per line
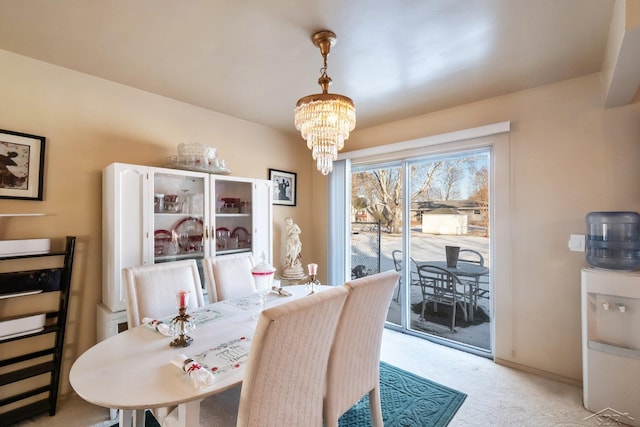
<point>125,418</point>
<point>473,298</point>
<point>131,418</point>
<point>189,413</point>
<point>139,417</point>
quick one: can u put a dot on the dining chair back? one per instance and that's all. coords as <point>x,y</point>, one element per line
<point>229,276</point>
<point>150,290</point>
<point>354,364</point>
<point>441,286</point>
<point>286,371</point>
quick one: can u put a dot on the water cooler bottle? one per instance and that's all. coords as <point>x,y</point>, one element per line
<point>611,316</point>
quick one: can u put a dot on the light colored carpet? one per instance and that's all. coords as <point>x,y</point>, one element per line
<point>496,395</point>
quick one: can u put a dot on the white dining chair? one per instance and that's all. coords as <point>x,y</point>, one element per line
<point>286,372</point>
<point>229,276</point>
<point>150,290</point>
<point>354,363</point>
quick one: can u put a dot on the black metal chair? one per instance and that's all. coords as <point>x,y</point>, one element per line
<point>475,257</point>
<point>472,256</point>
<point>397,265</point>
<point>441,286</point>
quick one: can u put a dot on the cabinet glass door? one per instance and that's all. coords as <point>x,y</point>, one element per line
<point>233,221</point>
<point>179,220</point>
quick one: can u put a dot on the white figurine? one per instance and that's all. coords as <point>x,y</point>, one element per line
<point>292,262</point>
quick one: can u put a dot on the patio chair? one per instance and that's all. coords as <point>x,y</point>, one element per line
<point>470,255</point>
<point>475,257</point>
<point>440,286</point>
<point>397,265</point>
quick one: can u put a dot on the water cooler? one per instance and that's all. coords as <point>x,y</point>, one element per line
<point>610,297</point>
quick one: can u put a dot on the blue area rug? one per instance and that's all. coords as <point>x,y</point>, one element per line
<point>407,401</point>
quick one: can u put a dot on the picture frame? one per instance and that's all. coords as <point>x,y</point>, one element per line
<point>21,165</point>
<point>284,187</point>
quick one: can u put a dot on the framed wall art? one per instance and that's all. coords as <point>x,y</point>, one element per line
<point>284,187</point>
<point>21,165</point>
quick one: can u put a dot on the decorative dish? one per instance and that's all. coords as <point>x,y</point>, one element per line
<point>189,233</point>
<point>162,238</point>
<point>242,234</point>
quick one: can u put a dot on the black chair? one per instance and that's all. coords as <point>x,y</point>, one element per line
<point>441,286</point>
<point>472,256</point>
<point>475,257</point>
<point>397,265</point>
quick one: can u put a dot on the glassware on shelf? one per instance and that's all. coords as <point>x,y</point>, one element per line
<point>184,199</point>
<point>171,203</point>
<point>158,202</point>
<point>222,237</point>
<point>183,241</point>
<point>198,157</point>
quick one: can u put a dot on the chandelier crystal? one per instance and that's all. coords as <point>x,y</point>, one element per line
<point>325,119</point>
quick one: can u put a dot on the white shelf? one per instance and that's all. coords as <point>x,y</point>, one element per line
<point>24,214</point>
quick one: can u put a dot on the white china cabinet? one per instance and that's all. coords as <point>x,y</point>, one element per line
<point>153,215</point>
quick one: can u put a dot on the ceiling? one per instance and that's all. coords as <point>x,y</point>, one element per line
<point>253,59</point>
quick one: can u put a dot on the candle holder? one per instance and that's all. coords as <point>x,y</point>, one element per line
<point>313,283</point>
<point>181,324</point>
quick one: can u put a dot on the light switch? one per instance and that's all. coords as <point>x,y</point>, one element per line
<point>577,243</point>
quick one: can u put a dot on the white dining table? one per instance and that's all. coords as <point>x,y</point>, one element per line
<point>132,371</point>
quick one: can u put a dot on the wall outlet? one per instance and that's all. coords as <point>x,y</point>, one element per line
<point>577,243</point>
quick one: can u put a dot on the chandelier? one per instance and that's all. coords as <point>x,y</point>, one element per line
<point>325,119</point>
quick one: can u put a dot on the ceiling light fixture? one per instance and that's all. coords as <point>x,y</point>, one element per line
<point>325,119</point>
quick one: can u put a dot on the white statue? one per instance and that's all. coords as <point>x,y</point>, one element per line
<point>292,262</point>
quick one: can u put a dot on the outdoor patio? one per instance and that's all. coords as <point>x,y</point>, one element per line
<point>428,247</point>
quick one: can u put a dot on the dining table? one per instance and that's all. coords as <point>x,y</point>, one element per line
<point>133,370</point>
<point>464,269</point>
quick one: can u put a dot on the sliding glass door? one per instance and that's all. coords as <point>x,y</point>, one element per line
<point>406,215</point>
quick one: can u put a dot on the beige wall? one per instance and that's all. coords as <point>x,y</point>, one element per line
<point>568,157</point>
<point>90,123</point>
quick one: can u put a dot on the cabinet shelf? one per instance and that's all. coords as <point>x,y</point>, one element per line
<point>233,215</point>
<point>233,251</point>
<point>55,323</point>
<point>166,258</point>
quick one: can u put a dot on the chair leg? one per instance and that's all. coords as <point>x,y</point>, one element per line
<point>398,291</point>
<point>375,407</point>
<point>330,422</point>
<point>453,317</point>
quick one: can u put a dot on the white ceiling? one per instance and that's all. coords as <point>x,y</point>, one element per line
<point>253,59</point>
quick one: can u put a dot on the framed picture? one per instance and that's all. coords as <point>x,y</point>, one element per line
<point>284,187</point>
<point>21,165</point>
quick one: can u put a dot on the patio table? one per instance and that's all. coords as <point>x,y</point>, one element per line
<point>464,269</point>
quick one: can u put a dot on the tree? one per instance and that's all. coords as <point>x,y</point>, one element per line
<point>430,180</point>
<point>481,195</point>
